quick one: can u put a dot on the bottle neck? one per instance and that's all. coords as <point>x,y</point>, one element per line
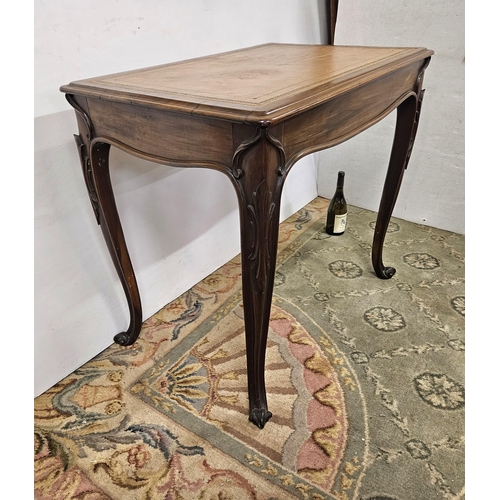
<point>340,181</point>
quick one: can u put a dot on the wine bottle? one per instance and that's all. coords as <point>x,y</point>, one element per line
<point>336,217</point>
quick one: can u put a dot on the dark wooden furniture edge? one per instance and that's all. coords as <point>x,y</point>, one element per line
<point>280,110</point>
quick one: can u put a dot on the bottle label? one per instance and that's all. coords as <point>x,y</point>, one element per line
<point>339,223</point>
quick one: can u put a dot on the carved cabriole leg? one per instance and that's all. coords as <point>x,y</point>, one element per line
<point>115,240</point>
<point>404,136</point>
<point>94,158</point>
<point>258,178</point>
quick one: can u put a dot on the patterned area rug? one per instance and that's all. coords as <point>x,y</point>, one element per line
<point>365,380</point>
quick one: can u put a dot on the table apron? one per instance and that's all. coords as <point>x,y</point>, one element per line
<point>348,114</point>
<point>171,138</point>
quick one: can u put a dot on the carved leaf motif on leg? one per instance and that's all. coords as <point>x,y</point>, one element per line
<point>261,210</point>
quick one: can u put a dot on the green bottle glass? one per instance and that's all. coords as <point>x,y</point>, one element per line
<point>336,217</point>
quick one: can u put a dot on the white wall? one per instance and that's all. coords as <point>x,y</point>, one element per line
<point>433,189</point>
<point>180,224</point>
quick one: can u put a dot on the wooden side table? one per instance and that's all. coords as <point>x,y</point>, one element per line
<point>250,114</point>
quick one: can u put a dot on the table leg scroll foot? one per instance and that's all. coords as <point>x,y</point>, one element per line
<point>126,338</point>
<point>260,417</point>
<point>385,273</point>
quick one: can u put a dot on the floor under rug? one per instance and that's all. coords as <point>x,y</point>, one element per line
<point>365,380</point>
